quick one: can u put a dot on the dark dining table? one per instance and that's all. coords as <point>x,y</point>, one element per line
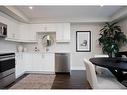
<point>116,65</point>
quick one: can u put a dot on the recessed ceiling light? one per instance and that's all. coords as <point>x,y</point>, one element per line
<point>30,7</point>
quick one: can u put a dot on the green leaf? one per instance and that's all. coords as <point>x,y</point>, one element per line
<point>111,38</point>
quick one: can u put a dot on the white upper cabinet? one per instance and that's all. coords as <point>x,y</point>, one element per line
<point>12,27</point>
<point>20,33</point>
<point>63,32</point>
<point>27,32</point>
<point>49,27</point>
<point>43,27</point>
<point>26,35</point>
<point>36,27</point>
<point>13,32</point>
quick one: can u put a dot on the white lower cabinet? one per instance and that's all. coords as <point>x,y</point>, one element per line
<point>48,62</point>
<point>34,62</point>
<point>27,60</point>
<point>37,62</point>
<point>42,62</point>
<point>19,68</point>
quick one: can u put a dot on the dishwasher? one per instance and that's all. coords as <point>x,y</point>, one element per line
<point>62,63</point>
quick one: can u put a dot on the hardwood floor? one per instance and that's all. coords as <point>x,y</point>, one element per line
<point>75,80</point>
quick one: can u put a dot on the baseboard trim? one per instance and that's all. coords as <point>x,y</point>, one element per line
<point>40,72</point>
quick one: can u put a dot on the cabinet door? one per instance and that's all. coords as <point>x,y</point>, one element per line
<point>30,35</point>
<point>43,62</point>
<point>23,31</point>
<point>63,32</point>
<point>37,27</point>
<point>19,69</point>
<point>13,31</point>
<point>59,32</point>
<point>49,27</point>
<point>43,27</point>
<point>10,32</point>
<point>27,61</point>
<point>26,34</point>
<point>66,32</point>
<point>12,27</point>
<point>37,62</point>
<point>48,64</point>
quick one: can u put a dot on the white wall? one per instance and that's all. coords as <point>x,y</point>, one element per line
<point>123,25</point>
<point>77,57</point>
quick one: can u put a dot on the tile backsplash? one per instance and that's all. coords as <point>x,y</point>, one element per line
<point>55,47</point>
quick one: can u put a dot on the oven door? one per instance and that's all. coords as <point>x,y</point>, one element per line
<point>7,70</point>
<point>7,63</point>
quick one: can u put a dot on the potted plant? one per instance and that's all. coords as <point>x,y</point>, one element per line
<point>111,38</point>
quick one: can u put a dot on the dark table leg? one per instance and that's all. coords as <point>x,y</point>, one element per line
<point>118,74</point>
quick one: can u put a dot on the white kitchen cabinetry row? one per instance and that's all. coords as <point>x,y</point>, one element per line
<point>27,32</point>
<point>34,62</point>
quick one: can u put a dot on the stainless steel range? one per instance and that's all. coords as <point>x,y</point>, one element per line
<point>7,69</point>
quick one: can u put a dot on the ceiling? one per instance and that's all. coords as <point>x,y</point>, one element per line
<point>53,12</point>
<point>68,13</point>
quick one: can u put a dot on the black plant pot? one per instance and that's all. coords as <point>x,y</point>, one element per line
<point>111,55</point>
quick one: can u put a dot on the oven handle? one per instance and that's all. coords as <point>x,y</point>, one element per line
<point>4,59</point>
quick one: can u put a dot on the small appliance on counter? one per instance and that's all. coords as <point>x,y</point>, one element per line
<point>7,69</point>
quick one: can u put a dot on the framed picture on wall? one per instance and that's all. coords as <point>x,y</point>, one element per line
<point>83,41</point>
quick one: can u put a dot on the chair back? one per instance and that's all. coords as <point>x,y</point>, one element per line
<point>90,74</point>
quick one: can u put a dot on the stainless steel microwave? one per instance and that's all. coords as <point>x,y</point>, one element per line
<point>3,30</point>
